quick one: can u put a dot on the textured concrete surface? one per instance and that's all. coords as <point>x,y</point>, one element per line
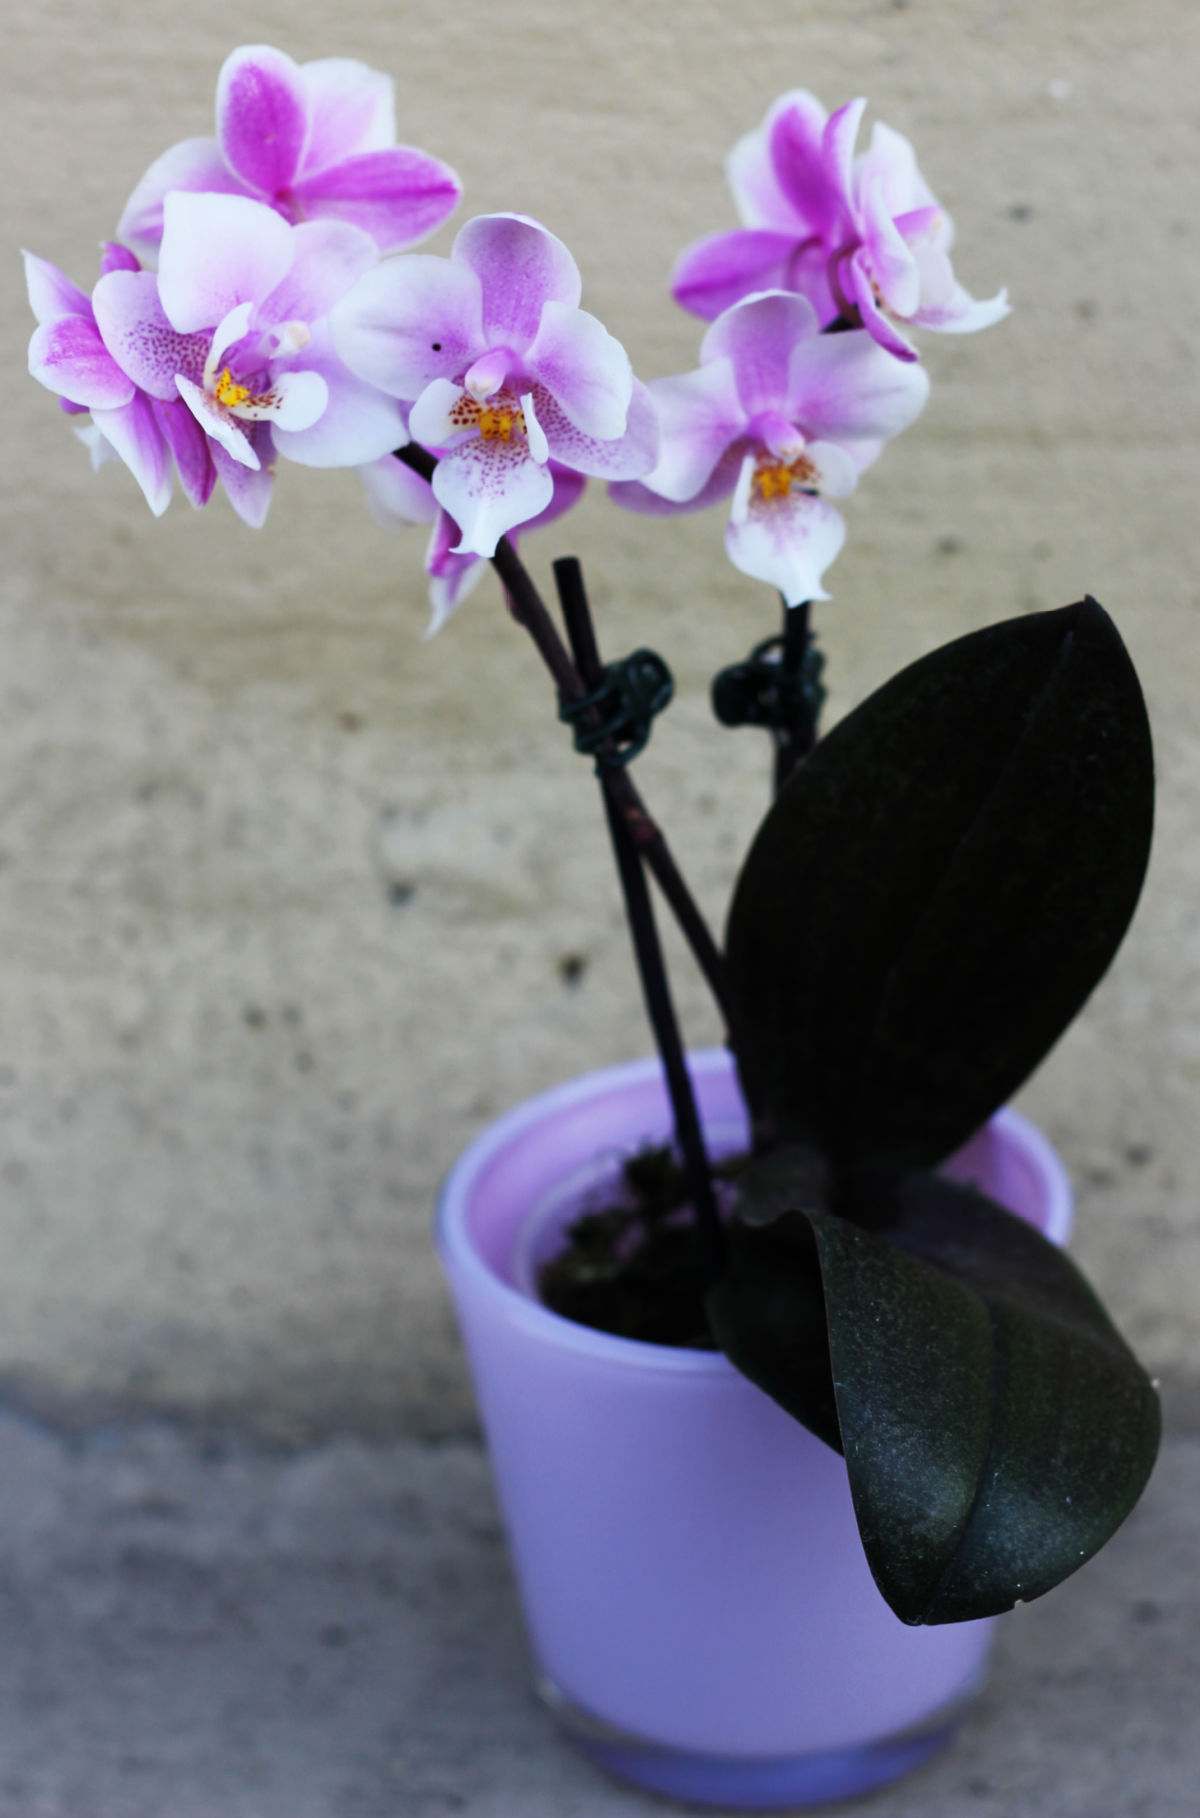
<point>290,901</point>
<point>197,1629</point>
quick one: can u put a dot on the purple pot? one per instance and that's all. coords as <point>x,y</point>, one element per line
<point>701,1614</point>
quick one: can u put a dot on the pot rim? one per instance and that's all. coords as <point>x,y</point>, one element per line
<point>460,1254</point>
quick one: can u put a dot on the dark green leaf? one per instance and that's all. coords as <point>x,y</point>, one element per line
<point>996,1428</point>
<point>939,887</point>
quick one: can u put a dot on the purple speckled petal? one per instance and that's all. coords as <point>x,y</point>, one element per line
<point>431,420</point>
<point>248,489</point>
<point>190,446</point>
<point>626,457</point>
<point>351,108</point>
<point>262,117</point>
<point>217,252</point>
<point>787,541</point>
<point>489,487</point>
<point>67,356</point>
<point>51,292</point>
<point>723,268</point>
<point>193,164</point>
<point>398,196</point>
<point>699,416</point>
<point>584,367</point>
<point>410,321</point>
<point>139,337</point>
<point>134,433</point>
<point>757,336</point>
<point>520,267</point>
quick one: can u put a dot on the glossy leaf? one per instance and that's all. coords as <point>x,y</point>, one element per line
<point>940,886</point>
<point>996,1428</point>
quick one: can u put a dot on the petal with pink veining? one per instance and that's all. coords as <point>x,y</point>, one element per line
<point>786,541</point>
<point>757,336</point>
<point>587,370</point>
<point>723,268</point>
<point>217,252</point>
<point>351,108</point>
<point>51,292</point>
<point>489,487</point>
<point>193,164</point>
<point>398,196</point>
<point>328,258</point>
<point>893,264</point>
<point>67,355</point>
<point>262,117</point>
<point>750,169</point>
<point>848,387</point>
<point>139,337</point>
<point>699,416</point>
<point>189,444</point>
<point>520,267</point>
<point>626,457</point>
<point>133,432</point>
<point>248,489</point>
<point>410,321</point>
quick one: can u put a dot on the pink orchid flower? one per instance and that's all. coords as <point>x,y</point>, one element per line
<point>67,354</point>
<point>504,370</point>
<point>398,496</point>
<point>312,141</point>
<point>229,338</point>
<point>861,237</point>
<point>781,417</point>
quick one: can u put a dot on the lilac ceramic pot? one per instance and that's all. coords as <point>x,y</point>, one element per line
<point>702,1618</point>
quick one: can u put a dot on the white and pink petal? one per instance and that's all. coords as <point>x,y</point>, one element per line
<point>699,416</point>
<point>757,336</point>
<point>585,368</point>
<point>626,457</point>
<point>409,322</point>
<point>847,386</point>
<point>351,108</point>
<point>262,117</point>
<point>397,495</point>
<point>787,541</point>
<point>138,335</point>
<point>359,424</point>
<point>189,445</point>
<point>51,292</point>
<point>521,267</point>
<point>328,258</point>
<point>248,489</point>
<point>217,252</point>
<point>133,432</point>
<point>193,164</point>
<point>67,356</point>
<point>398,196</point>
<point>721,269</point>
<point>489,487</point>
<point>216,422</point>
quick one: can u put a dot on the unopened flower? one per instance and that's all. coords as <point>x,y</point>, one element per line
<point>504,372</point>
<point>779,418</point>
<point>312,141</point>
<point>861,237</point>
<point>397,495</point>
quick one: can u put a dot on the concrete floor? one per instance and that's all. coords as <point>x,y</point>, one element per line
<point>198,1628</point>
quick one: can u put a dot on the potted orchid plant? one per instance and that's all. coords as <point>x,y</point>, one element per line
<point>789,1384</point>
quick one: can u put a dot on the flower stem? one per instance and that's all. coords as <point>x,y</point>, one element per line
<point>639,910</point>
<point>794,742</point>
<point>530,611</point>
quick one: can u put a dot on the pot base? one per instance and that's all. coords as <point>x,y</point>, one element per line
<point>748,1784</point>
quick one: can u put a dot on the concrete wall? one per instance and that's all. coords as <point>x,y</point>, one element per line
<point>290,901</point>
